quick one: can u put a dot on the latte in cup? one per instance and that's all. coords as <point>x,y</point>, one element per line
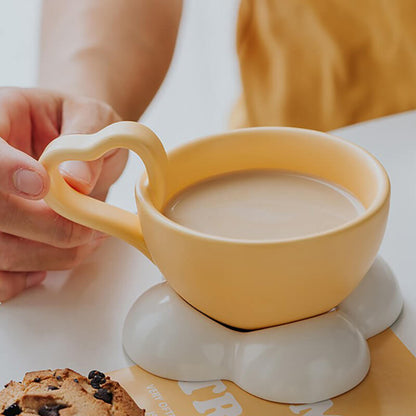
<point>263,205</point>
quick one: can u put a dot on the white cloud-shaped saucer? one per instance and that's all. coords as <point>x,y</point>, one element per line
<point>300,362</point>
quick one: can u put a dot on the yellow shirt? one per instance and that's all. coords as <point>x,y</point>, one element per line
<point>323,64</point>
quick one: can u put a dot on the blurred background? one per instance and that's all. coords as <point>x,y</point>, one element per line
<point>199,90</point>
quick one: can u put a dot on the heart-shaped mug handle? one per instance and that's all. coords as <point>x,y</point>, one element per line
<point>88,211</point>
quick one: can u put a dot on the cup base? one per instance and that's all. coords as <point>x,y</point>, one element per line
<point>301,362</point>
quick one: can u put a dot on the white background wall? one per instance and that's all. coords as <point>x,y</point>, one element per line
<point>19,28</point>
<point>199,90</point>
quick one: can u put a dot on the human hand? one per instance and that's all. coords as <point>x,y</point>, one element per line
<point>33,238</point>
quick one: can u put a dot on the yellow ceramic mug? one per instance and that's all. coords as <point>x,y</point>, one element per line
<point>245,284</point>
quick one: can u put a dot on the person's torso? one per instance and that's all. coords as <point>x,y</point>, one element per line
<point>323,64</point>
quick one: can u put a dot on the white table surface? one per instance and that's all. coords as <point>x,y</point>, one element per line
<point>75,318</point>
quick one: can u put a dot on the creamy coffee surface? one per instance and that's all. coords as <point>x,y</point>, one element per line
<point>263,205</point>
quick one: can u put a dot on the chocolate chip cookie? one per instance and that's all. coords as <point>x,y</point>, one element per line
<point>66,393</point>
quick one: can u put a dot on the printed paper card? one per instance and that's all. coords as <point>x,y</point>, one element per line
<point>388,390</point>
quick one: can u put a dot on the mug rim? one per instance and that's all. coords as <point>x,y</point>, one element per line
<point>377,204</point>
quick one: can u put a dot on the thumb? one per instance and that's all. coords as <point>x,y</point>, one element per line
<point>20,174</point>
<point>82,176</point>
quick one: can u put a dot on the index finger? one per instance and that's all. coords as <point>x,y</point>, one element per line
<point>35,221</point>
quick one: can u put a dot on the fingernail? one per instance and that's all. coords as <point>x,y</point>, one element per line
<point>33,279</point>
<point>77,169</point>
<point>28,182</point>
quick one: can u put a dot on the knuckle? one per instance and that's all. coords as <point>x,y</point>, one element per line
<point>7,215</point>
<point>68,234</point>
<point>13,97</point>
<point>104,107</point>
<point>110,113</point>
<point>9,260</point>
<point>73,258</point>
<point>103,111</point>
